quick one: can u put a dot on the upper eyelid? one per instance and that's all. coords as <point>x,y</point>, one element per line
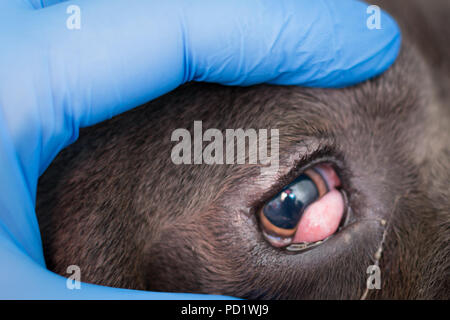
<point>317,152</point>
<point>307,162</point>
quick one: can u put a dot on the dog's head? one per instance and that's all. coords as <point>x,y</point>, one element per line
<point>117,205</point>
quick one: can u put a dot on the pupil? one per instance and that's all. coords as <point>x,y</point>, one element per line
<point>285,210</point>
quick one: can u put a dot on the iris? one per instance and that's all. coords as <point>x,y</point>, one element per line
<point>285,210</point>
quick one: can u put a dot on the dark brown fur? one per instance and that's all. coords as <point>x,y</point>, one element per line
<point>114,204</point>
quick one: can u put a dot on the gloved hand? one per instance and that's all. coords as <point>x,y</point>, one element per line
<point>55,79</point>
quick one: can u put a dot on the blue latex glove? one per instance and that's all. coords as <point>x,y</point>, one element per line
<point>54,80</point>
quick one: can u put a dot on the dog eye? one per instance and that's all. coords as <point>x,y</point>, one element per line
<point>305,212</point>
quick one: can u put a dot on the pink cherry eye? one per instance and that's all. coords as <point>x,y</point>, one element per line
<point>305,212</point>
